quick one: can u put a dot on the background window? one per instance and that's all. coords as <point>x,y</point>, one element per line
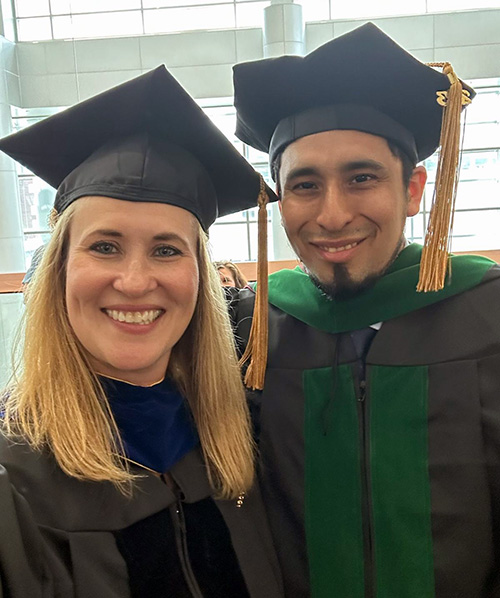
<point>161,16</point>
<point>32,8</point>
<point>61,7</point>
<point>162,20</point>
<point>477,216</point>
<point>76,19</point>
<point>369,9</point>
<point>102,24</point>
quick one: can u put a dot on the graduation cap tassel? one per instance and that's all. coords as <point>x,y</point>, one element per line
<point>435,255</point>
<point>256,349</point>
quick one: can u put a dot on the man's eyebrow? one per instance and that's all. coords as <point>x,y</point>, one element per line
<point>348,166</point>
<point>361,164</point>
<point>301,171</point>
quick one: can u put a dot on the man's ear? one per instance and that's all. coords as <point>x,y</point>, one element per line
<point>279,205</point>
<point>416,188</point>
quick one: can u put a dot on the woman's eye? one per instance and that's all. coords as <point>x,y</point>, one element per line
<point>104,248</point>
<point>166,251</point>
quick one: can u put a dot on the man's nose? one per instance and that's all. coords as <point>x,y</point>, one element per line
<point>336,209</point>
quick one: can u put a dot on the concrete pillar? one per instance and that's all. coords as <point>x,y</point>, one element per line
<point>11,232</point>
<point>283,29</point>
<point>284,33</point>
<point>7,20</point>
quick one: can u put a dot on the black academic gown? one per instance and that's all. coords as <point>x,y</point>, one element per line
<point>65,538</point>
<point>381,476</point>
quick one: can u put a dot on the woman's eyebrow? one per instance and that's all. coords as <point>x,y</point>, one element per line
<point>106,232</point>
<point>166,236</point>
<point>169,237</point>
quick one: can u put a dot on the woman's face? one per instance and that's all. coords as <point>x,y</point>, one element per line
<point>226,277</point>
<point>131,284</point>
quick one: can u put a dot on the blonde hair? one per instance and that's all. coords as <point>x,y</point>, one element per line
<point>239,279</point>
<point>57,402</point>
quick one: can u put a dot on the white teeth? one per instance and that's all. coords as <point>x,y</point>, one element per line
<point>336,249</point>
<point>135,317</point>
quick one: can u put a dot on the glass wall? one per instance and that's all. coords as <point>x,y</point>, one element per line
<point>477,213</point>
<point>36,196</point>
<point>11,309</point>
<point>73,19</point>
<point>325,10</point>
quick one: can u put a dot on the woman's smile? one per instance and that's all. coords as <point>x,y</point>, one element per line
<point>142,317</point>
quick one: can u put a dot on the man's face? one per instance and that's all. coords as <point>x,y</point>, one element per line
<point>344,206</point>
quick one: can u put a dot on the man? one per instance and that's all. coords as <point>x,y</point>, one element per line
<point>379,419</point>
<point>35,261</point>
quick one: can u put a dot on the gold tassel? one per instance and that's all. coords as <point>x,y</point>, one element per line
<point>434,262</point>
<point>256,349</point>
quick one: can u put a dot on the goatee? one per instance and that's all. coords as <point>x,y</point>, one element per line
<point>343,287</point>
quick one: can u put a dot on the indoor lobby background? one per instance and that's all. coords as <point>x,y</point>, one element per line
<point>54,53</point>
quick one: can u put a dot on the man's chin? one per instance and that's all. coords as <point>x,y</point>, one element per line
<point>342,286</point>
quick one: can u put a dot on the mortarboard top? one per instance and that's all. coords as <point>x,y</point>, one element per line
<point>362,81</point>
<point>144,140</point>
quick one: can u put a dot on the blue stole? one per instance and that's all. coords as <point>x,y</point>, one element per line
<point>155,423</point>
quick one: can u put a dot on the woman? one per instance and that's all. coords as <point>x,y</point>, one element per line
<point>230,275</point>
<point>127,453</point>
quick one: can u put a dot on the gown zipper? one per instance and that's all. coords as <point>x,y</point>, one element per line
<point>366,498</point>
<point>179,523</point>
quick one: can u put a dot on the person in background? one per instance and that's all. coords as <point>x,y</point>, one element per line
<point>35,260</point>
<point>379,413</point>
<point>126,451</point>
<point>230,275</point>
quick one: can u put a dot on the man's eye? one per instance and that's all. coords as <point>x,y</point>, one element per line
<point>363,178</point>
<point>305,185</point>
<point>166,251</point>
<point>104,248</point>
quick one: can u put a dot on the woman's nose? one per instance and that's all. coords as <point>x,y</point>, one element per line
<point>135,278</point>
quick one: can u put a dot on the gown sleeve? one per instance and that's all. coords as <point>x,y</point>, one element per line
<point>489,379</point>
<point>232,297</point>
<point>240,307</point>
<point>22,572</point>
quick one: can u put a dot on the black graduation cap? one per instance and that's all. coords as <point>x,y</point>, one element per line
<point>144,140</point>
<point>362,81</point>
